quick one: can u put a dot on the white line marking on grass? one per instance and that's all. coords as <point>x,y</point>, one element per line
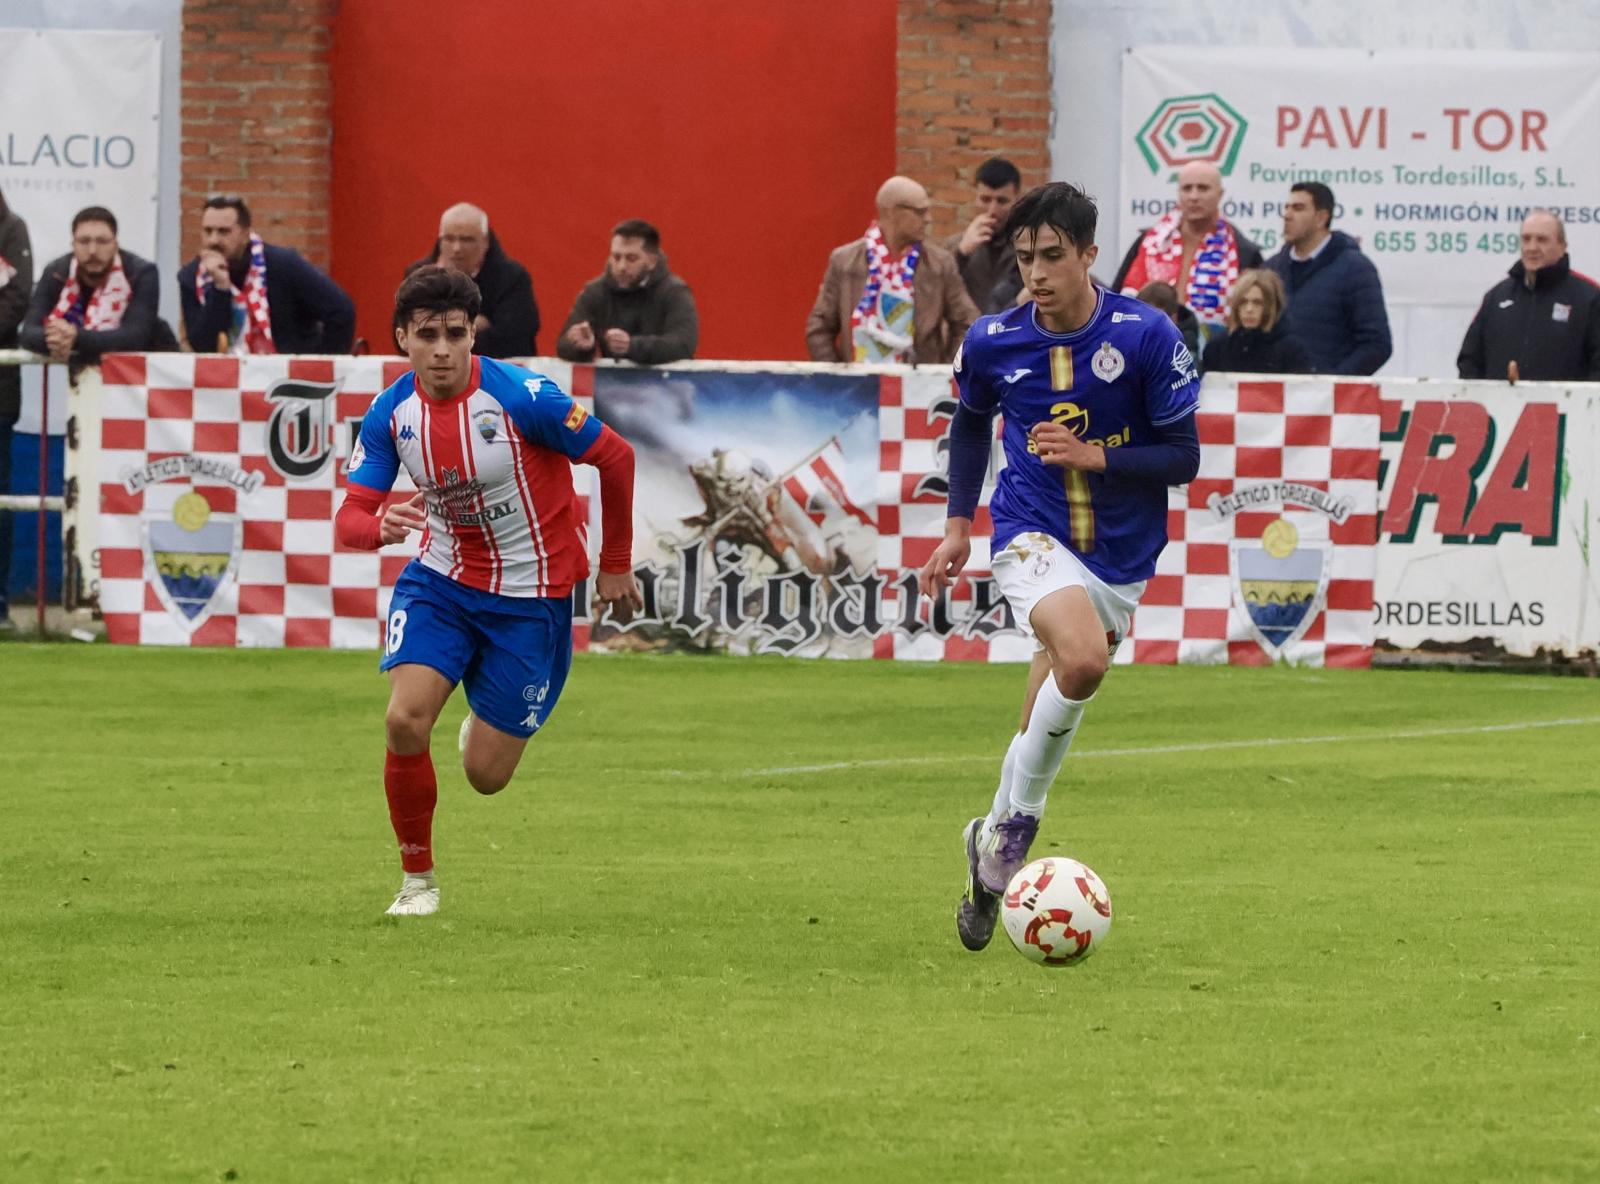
<point>1204,746</point>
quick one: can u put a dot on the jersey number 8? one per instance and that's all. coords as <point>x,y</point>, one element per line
<point>397,631</point>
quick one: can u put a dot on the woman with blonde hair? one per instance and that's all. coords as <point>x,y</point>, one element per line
<point>1256,342</point>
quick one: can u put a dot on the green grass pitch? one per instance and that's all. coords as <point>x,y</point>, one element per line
<point>676,949</point>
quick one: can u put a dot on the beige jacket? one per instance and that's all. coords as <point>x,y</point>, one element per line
<point>943,311</point>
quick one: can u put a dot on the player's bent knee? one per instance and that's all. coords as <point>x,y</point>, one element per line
<point>1079,675</point>
<point>408,729</point>
<point>487,781</point>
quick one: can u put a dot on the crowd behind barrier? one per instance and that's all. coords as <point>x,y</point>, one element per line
<point>894,295</point>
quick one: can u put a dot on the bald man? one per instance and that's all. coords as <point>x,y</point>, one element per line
<point>508,326</point>
<point>890,296</point>
<point>1193,248</point>
<point>1542,322</point>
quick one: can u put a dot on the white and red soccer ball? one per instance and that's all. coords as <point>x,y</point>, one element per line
<point>1056,911</point>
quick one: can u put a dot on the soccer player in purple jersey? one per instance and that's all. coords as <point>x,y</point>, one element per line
<point>1098,395</point>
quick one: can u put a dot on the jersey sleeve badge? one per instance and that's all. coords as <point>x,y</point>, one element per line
<point>576,418</point>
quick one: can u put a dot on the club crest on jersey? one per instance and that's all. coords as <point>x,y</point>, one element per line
<point>300,429</point>
<point>190,554</point>
<point>488,423</point>
<point>1108,363</point>
<point>576,418</point>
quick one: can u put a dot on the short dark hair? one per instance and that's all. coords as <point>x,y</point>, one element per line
<point>1066,207</point>
<point>1159,294</point>
<point>94,214</point>
<point>1321,196</point>
<point>640,229</point>
<point>437,290</point>
<point>997,172</point>
<point>228,201</point>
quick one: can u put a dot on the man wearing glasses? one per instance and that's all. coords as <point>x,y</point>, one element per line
<point>245,296</point>
<point>889,296</point>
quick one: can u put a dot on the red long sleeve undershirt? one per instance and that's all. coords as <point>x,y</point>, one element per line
<point>358,523</point>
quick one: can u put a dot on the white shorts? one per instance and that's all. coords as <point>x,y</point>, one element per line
<point>1034,564</point>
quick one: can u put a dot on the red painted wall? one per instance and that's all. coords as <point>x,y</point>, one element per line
<point>753,134</point>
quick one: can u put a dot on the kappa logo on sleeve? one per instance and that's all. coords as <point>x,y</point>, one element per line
<point>576,418</point>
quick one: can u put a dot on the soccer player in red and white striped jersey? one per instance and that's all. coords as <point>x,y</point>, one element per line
<point>487,602</point>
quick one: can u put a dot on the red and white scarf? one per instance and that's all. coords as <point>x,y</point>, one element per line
<point>881,329</point>
<point>251,328</point>
<point>6,271</point>
<point>1211,274</point>
<point>107,304</point>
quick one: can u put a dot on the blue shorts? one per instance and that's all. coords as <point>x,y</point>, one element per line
<point>511,653</point>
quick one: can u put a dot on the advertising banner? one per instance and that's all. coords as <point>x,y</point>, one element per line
<point>1491,504</point>
<point>786,509</point>
<point>81,128</point>
<point>1434,157</point>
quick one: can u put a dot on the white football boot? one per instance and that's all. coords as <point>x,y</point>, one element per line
<point>418,897</point>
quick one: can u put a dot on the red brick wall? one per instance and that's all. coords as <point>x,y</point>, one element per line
<point>974,83</point>
<point>256,98</point>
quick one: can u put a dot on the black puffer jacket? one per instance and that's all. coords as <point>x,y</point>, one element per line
<point>1551,330</point>
<point>16,250</point>
<point>1257,351</point>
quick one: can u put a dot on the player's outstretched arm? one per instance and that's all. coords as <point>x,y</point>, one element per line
<point>615,586</point>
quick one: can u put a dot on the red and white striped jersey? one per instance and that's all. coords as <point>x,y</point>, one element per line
<point>494,463</point>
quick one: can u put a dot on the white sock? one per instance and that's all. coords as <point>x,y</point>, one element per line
<point>1039,753</point>
<point>426,877</point>
<point>1002,795</point>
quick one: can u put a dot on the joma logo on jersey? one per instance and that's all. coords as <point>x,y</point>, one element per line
<point>1076,420</point>
<point>300,429</point>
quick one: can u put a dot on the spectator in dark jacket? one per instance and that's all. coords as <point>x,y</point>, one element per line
<point>987,260</point>
<point>1256,342</point>
<point>636,309</point>
<point>16,282</point>
<point>1542,322</point>
<point>96,299</point>
<point>508,326</point>
<point>244,296</point>
<point>1336,309</point>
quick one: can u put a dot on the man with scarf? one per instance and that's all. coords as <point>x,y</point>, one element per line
<point>888,296</point>
<point>1193,248</point>
<point>96,299</point>
<point>245,296</point>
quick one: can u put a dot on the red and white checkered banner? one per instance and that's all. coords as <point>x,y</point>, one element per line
<point>218,478</point>
<point>755,523</point>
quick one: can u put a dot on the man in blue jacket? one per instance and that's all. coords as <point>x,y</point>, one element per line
<point>1336,309</point>
<point>245,296</point>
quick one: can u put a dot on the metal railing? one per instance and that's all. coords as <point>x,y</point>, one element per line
<point>40,502</point>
